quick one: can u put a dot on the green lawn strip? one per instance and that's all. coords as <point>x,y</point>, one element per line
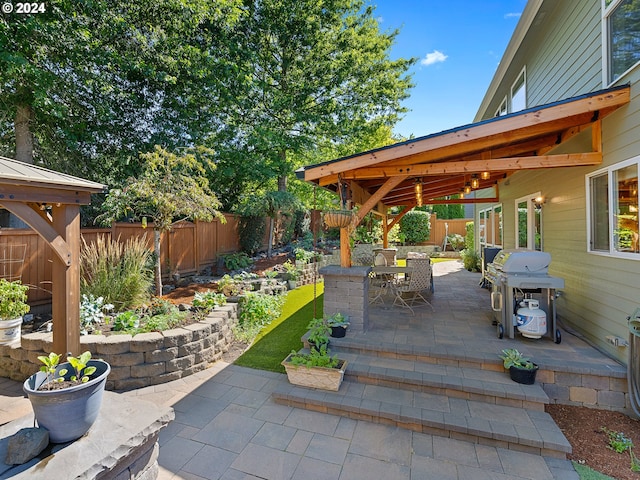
<point>586,473</point>
<point>276,340</point>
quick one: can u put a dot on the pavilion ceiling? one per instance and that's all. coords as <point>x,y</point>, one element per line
<point>446,161</point>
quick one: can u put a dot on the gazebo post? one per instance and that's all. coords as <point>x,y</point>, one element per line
<point>66,282</point>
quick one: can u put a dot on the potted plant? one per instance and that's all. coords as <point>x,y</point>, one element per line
<point>316,369</point>
<point>292,273</point>
<point>319,331</point>
<point>338,324</point>
<point>521,369</point>
<point>338,218</point>
<point>13,304</point>
<point>66,398</point>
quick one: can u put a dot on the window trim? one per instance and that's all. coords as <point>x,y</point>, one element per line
<point>612,253</point>
<point>487,227</point>
<point>606,48</point>
<point>531,241</point>
<point>523,75</point>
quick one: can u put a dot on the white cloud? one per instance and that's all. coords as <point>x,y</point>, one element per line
<point>433,57</point>
<point>512,15</point>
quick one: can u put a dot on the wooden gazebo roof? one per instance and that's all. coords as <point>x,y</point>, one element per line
<point>444,162</point>
<point>49,202</point>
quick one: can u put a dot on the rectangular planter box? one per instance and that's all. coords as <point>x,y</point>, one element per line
<point>315,377</point>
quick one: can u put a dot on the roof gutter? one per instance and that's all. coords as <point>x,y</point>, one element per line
<point>526,19</point>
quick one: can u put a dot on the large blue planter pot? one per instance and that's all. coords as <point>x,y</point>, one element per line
<point>67,413</point>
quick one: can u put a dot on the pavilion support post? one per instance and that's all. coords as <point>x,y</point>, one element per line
<point>385,232</point>
<point>345,247</point>
<point>66,283</point>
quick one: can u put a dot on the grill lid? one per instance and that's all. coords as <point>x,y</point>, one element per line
<point>529,262</point>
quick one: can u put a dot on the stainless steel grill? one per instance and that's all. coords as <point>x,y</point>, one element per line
<point>518,274</point>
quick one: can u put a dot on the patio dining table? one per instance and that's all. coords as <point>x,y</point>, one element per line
<point>383,278</point>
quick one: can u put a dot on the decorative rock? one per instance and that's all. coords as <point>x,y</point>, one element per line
<point>26,444</point>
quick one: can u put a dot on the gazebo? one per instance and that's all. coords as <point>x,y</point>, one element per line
<point>49,202</point>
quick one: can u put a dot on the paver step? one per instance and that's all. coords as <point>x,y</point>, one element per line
<point>458,382</point>
<point>525,430</point>
<point>441,354</point>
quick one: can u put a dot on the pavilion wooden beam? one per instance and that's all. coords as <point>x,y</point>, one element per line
<point>485,135</point>
<point>475,166</point>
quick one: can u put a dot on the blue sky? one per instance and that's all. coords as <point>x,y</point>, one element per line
<point>459,44</point>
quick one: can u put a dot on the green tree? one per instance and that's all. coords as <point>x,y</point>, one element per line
<point>449,211</point>
<point>312,73</point>
<point>87,85</point>
<point>171,188</point>
<point>269,204</point>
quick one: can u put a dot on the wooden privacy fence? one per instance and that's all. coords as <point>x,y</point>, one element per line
<point>187,249</point>
<point>439,227</point>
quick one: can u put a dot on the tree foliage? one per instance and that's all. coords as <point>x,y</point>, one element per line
<point>312,73</point>
<point>170,188</point>
<point>92,83</point>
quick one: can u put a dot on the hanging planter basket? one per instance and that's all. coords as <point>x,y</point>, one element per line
<point>338,218</point>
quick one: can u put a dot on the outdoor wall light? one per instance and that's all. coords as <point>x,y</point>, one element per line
<point>538,201</point>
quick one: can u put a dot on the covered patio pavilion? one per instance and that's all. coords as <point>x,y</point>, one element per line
<point>434,168</point>
<point>431,169</point>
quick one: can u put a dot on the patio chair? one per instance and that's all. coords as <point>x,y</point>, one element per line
<point>416,284</point>
<point>411,256</point>
<point>378,284</point>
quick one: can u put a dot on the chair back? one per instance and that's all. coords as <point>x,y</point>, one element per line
<point>380,260</point>
<point>420,275</point>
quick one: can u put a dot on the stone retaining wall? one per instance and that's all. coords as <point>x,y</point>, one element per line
<point>140,360</point>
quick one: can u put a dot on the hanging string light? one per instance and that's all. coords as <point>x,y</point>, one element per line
<point>475,181</point>
<point>418,190</point>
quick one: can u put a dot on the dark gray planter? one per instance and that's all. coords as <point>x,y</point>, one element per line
<point>67,413</point>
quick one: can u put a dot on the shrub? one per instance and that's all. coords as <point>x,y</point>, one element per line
<point>416,227</point>
<point>469,240</point>
<point>251,231</point>
<point>455,240</point>
<point>471,260</point>
<point>256,310</point>
<point>236,261</point>
<point>120,273</point>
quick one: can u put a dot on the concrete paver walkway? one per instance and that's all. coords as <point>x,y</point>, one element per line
<point>228,427</point>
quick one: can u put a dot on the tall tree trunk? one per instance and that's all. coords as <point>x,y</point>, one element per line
<point>282,183</point>
<point>24,136</point>
<point>158,272</point>
<point>282,179</point>
<point>271,229</point>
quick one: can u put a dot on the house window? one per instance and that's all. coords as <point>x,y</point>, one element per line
<point>529,223</point>
<point>622,36</point>
<point>502,110</point>
<point>519,93</point>
<point>491,227</point>
<point>612,202</point>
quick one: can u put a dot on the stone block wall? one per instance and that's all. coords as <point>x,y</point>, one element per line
<point>346,290</point>
<point>140,360</point>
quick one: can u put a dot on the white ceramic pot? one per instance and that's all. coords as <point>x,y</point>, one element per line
<point>10,331</point>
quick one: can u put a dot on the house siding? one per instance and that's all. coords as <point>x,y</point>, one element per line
<point>562,53</point>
